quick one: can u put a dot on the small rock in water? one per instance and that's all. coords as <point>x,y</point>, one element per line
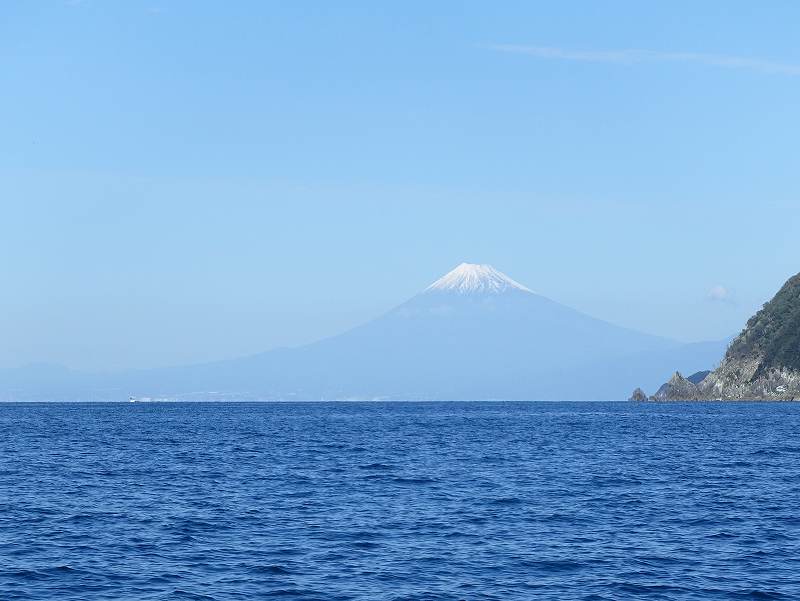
<point>638,395</point>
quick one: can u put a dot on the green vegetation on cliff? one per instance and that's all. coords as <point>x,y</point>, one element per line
<point>773,334</point>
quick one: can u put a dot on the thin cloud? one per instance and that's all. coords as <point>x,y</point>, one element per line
<point>720,294</point>
<point>650,56</point>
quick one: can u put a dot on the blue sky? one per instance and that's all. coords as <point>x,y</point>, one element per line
<point>182,181</point>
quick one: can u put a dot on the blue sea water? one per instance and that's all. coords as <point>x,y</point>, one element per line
<point>412,501</point>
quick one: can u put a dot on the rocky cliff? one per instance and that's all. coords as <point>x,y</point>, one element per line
<point>762,363</point>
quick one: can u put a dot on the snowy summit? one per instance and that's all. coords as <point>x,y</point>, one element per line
<point>470,278</point>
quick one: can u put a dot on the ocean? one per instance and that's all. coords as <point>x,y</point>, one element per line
<point>399,501</point>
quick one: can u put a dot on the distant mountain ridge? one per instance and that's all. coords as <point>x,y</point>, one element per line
<point>474,333</point>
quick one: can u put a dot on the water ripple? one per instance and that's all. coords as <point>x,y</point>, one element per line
<point>399,501</point>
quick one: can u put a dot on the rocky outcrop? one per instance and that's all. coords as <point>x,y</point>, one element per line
<point>762,363</point>
<point>677,389</point>
<point>638,395</point>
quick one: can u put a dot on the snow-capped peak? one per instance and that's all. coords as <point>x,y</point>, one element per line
<point>469,278</point>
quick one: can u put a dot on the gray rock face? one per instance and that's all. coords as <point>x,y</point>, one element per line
<point>638,395</point>
<point>677,389</point>
<point>733,381</point>
<point>736,380</point>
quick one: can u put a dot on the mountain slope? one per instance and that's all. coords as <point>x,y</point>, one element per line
<point>473,334</point>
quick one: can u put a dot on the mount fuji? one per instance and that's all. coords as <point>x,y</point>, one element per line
<point>475,333</point>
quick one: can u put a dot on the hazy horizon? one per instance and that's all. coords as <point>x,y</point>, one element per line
<point>184,182</point>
